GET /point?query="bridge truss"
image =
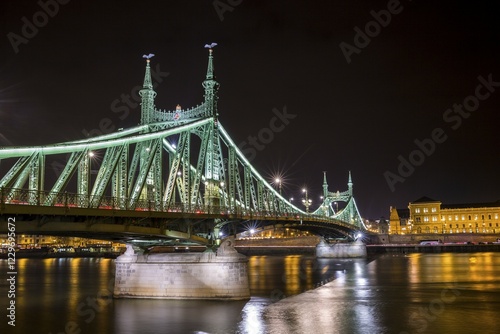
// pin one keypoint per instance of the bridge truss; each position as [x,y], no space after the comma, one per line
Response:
[176,165]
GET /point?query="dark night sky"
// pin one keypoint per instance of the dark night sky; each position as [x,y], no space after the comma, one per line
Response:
[357,116]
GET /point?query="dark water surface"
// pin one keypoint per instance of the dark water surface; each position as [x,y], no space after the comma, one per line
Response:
[417,293]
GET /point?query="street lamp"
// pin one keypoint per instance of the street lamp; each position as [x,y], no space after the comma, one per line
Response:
[306,201]
[278,182]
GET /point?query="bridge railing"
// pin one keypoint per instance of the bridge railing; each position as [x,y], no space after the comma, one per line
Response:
[14,196]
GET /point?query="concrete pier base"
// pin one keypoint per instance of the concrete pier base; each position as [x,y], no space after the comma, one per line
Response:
[341,250]
[220,275]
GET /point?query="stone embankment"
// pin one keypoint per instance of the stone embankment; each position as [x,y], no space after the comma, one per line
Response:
[279,246]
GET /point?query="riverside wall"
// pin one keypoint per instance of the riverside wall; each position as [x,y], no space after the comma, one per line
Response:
[445,238]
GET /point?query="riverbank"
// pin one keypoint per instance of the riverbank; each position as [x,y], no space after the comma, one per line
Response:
[50,255]
[378,244]
[446,248]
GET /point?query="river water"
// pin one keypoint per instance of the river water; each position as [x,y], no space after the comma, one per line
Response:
[416,293]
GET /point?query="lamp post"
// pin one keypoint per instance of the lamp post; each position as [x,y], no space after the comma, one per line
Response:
[306,201]
[278,182]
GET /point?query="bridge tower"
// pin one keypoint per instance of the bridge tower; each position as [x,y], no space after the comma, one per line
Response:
[214,168]
[147,94]
[350,213]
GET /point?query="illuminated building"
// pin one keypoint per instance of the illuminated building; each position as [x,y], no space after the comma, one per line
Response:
[431,216]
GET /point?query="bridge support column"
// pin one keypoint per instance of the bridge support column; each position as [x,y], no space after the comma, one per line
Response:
[217,235]
[341,250]
[220,275]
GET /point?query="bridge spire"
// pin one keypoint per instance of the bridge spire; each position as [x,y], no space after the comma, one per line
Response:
[325,186]
[210,84]
[349,184]
[147,94]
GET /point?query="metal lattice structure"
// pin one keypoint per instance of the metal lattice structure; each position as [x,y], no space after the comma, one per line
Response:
[349,213]
[174,161]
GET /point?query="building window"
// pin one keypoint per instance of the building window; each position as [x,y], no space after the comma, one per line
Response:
[426,219]
[489,217]
[417,210]
[434,218]
[456,217]
[482,217]
[470,217]
[426,210]
[433,209]
[417,220]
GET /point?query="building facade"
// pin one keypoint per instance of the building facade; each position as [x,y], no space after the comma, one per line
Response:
[398,221]
[431,216]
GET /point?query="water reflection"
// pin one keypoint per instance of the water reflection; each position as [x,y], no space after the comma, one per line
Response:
[176,316]
[417,293]
[276,277]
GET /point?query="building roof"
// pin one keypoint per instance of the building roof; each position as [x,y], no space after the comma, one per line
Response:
[471,205]
[403,213]
[424,199]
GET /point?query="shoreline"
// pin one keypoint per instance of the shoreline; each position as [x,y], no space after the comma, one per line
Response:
[47,255]
[295,250]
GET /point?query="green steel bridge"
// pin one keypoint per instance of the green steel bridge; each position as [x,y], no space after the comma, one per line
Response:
[176,177]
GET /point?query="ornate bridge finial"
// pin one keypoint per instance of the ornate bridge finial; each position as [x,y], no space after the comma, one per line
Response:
[210,46]
[148,56]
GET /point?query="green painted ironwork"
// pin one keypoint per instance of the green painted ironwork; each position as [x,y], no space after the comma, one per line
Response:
[141,169]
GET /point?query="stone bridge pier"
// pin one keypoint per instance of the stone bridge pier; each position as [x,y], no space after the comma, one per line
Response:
[341,250]
[219,275]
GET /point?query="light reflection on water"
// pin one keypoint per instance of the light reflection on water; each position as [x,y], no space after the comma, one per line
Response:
[391,294]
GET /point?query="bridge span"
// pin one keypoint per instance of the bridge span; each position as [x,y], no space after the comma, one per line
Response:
[176,177]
